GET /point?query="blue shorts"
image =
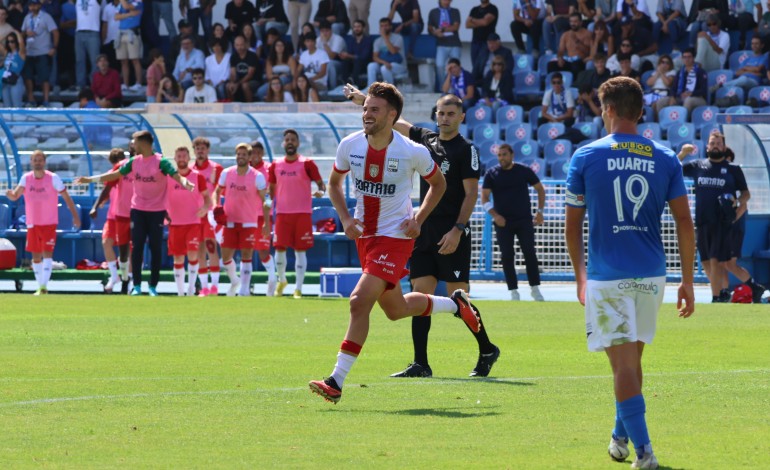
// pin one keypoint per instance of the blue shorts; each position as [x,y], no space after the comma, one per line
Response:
[37,68]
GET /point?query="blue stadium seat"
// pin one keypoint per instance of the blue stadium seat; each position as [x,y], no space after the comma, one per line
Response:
[703,116]
[478,114]
[507,115]
[731,91]
[739,109]
[557,149]
[764,110]
[566,77]
[680,132]
[542,63]
[526,83]
[523,63]
[486,131]
[488,150]
[706,130]
[524,149]
[534,114]
[518,132]
[671,114]
[720,76]
[535,164]
[761,94]
[5,218]
[488,154]
[66,222]
[424,48]
[650,130]
[588,128]
[559,169]
[549,131]
[737,59]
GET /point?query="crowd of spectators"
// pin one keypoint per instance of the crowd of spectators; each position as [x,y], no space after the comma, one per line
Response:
[262,49]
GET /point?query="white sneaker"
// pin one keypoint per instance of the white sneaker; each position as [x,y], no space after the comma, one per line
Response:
[515,294]
[648,460]
[536,294]
[271,285]
[110,284]
[618,449]
[124,87]
[136,87]
[234,286]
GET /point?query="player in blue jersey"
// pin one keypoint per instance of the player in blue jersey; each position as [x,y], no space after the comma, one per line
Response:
[623,181]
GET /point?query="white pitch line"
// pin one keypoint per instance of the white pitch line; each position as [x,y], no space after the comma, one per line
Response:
[43,401]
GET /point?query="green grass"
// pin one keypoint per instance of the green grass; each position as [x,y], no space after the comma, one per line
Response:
[105,382]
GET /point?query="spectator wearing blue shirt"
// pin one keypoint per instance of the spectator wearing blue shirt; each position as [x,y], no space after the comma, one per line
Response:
[752,69]
[357,55]
[129,46]
[189,59]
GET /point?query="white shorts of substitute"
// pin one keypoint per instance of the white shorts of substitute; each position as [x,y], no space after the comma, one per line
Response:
[622,311]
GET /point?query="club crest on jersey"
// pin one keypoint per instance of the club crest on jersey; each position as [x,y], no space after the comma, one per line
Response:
[374,170]
[393,165]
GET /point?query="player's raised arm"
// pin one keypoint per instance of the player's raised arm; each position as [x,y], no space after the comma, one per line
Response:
[103,178]
[15,193]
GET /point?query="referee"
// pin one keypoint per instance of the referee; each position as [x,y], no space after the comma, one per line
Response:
[442,252]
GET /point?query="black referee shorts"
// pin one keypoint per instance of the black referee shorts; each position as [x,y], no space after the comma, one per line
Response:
[714,242]
[426,261]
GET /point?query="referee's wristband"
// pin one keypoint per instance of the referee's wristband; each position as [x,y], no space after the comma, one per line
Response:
[539,211]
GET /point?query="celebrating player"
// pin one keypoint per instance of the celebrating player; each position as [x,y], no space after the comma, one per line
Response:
[211,171]
[148,204]
[115,233]
[185,209]
[382,165]
[623,181]
[244,189]
[290,179]
[442,252]
[263,242]
[41,190]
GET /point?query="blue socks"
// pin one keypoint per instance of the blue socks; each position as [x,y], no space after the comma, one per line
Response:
[631,412]
[620,431]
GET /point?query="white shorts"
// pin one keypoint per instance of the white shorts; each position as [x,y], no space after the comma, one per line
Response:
[622,311]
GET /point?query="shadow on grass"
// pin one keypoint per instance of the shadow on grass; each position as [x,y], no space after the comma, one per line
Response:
[438,412]
[489,380]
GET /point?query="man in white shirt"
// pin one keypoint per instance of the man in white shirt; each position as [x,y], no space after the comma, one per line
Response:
[314,63]
[713,45]
[333,45]
[200,92]
[109,30]
[87,39]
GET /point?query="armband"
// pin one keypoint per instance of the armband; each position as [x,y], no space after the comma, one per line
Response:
[488,206]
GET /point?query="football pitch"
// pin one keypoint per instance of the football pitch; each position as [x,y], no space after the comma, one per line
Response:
[116,382]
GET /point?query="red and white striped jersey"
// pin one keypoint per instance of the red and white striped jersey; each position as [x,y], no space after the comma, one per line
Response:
[383,180]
